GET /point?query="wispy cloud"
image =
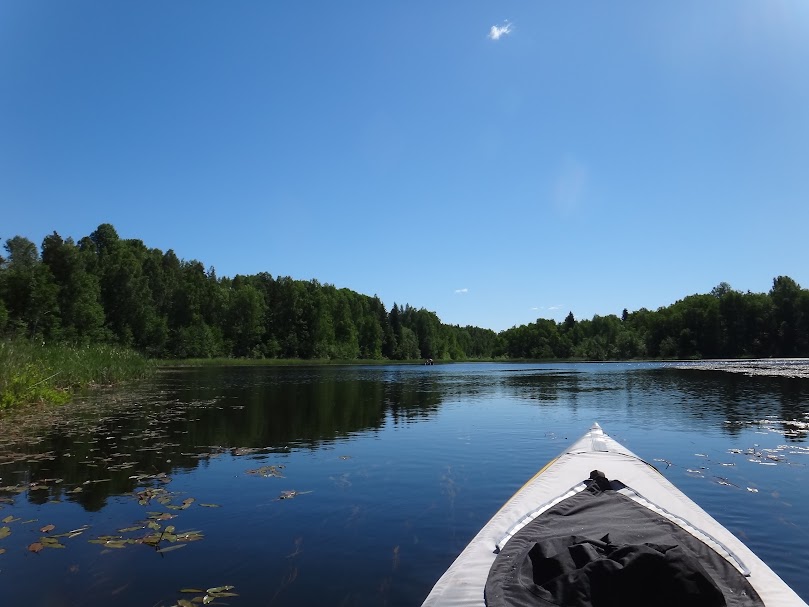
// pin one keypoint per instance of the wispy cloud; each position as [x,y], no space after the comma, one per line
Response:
[498,31]
[463,291]
[571,187]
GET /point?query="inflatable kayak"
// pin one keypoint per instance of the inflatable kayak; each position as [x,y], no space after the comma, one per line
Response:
[600,527]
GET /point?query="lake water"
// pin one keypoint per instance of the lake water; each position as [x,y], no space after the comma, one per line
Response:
[360,485]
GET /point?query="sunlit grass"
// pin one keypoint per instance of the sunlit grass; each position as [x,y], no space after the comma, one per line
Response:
[31,372]
[276,362]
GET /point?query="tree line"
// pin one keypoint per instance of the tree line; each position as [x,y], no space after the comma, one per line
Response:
[105,289]
[111,290]
[724,323]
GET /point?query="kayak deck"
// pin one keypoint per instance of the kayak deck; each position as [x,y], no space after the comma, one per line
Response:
[464,582]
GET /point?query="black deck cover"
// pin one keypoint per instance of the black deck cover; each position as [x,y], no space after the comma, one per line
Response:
[600,548]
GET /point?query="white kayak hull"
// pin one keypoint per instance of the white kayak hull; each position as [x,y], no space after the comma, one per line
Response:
[464,582]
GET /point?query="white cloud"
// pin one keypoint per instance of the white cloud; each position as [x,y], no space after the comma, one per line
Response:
[462,291]
[498,31]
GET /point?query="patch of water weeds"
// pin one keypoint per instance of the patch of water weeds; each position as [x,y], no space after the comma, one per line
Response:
[156,536]
[267,471]
[786,367]
[90,450]
[48,540]
[92,442]
[205,597]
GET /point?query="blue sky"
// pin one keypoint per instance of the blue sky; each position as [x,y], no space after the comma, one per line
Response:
[494,162]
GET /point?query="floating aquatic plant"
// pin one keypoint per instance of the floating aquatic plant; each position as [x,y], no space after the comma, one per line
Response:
[267,471]
[206,597]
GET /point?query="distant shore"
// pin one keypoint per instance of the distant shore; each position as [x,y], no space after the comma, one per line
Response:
[37,373]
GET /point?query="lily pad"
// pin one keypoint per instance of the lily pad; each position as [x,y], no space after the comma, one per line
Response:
[151,540]
[129,529]
[48,528]
[5,532]
[111,542]
[161,516]
[71,534]
[35,547]
[189,536]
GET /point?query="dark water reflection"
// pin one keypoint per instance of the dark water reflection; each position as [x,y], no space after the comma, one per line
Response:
[391,471]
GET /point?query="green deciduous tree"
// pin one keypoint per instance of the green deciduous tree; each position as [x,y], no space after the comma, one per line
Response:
[245,325]
[79,293]
[29,292]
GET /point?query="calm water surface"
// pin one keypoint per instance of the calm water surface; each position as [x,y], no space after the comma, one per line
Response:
[385,473]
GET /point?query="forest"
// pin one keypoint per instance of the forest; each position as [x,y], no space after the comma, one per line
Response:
[107,290]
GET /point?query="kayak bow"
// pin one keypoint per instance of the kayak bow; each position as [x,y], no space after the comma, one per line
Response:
[599,526]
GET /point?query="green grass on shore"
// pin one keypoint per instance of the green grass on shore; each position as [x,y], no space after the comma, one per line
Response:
[278,362]
[31,372]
